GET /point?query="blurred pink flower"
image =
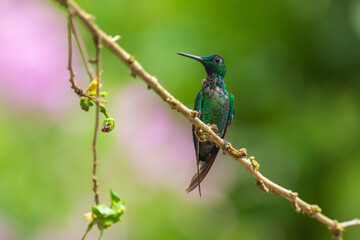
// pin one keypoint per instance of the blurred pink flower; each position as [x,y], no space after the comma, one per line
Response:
[33,57]
[7,231]
[159,141]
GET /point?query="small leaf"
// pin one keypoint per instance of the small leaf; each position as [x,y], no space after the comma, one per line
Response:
[116,203]
[85,103]
[103,110]
[93,85]
[101,211]
[104,216]
[114,197]
[108,125]
[103,94]
[88,228]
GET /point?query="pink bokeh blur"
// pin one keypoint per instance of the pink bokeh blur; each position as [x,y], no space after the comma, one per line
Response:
[153,137]
[33,58]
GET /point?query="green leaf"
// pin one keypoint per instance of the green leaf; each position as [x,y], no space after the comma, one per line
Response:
[108,126]
[105,216]
[103,110]
[115,198]
[88,228]
[101,211]
[103,94]
[85,103]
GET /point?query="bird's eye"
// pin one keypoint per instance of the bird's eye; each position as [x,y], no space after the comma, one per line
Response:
[218,60]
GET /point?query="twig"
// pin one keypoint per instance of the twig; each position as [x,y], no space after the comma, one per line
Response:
[97,113]
[136,70]
[74,86]
[77,90]
[81,93]
[354,222]
[83,54]
[116,38]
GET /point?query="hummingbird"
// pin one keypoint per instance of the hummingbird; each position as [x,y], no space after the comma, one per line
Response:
[215,106]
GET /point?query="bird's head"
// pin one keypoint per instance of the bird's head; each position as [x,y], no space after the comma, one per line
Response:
[214,64]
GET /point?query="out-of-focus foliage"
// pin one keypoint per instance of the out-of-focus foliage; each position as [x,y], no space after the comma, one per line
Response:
[104,216]
[293,67]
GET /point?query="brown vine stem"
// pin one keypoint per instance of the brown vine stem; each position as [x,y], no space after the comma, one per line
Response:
[77,90]
[249,164]
[97,41]
[80,93]
[83,54]
[74,86]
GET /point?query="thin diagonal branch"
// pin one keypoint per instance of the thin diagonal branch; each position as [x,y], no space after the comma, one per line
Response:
[239,155]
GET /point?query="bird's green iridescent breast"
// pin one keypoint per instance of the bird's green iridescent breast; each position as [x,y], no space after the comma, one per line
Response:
[215,108]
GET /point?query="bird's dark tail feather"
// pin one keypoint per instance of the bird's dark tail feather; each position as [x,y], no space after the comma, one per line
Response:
[201,174]
[197,164]
[198,171]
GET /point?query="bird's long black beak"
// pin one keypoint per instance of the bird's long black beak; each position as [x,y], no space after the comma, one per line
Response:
[200,59]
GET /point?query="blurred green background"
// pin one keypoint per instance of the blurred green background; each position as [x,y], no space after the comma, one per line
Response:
[293,66]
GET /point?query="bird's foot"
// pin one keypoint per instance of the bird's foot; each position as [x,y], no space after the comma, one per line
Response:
[200,135]
[227,147]
[213,127]
[241,153]
[195,114]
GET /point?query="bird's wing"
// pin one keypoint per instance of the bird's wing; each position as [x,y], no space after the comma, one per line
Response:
[204,169]
[197,107]
[231,112]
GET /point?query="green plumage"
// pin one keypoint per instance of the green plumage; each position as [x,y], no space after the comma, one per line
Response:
[215,106]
